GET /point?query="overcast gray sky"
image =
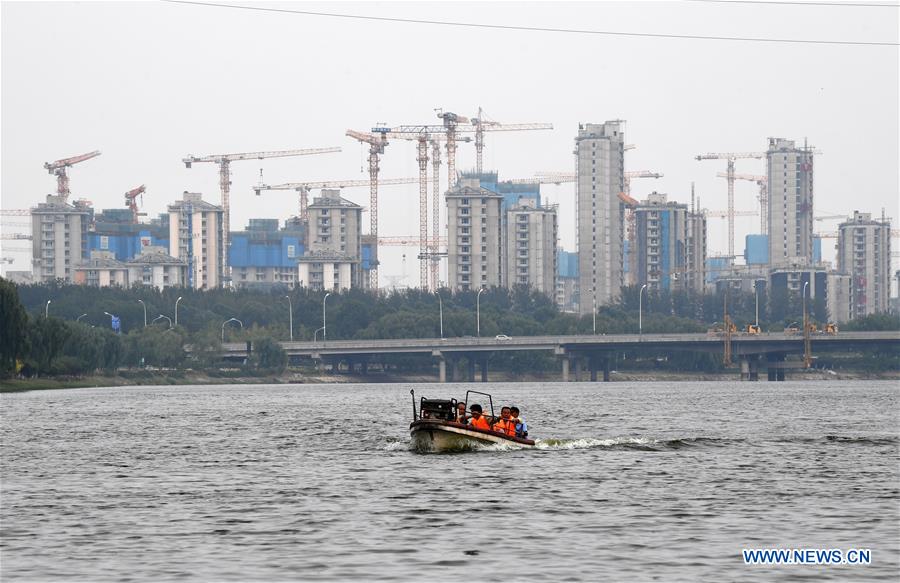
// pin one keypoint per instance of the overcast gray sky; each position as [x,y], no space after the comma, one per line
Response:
[150,82]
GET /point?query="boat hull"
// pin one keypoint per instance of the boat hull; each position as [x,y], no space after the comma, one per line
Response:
[436,436]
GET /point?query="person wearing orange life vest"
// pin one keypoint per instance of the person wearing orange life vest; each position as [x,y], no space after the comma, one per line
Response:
[505,424]
[478,420]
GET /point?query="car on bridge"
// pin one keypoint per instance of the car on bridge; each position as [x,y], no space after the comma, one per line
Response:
[502,337]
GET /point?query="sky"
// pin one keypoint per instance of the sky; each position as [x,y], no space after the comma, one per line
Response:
[148,83]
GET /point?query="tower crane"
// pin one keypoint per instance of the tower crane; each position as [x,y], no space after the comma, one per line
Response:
[730,157]
[224,161]
[482,125]
[560,177]
[303,188]
[130,197]
[58,169]
[762,182]
[377,143]
[429,255]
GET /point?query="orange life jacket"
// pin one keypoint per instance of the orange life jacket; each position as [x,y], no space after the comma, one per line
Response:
[505,426]
[480,423]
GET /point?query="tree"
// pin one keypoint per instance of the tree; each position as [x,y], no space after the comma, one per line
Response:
[13,326]
[268,356]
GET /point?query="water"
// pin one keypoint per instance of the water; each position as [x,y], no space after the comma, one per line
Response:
[631,481]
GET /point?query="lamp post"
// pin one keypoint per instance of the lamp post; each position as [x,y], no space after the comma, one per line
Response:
[291,316]
[807,351]
[78,319]
[316,334]
[47,309]
[641,310]
[176,309]
[594,309]
[145,312]
[478,313]
[441,311]
[324,329]
[161,316]
[230,320]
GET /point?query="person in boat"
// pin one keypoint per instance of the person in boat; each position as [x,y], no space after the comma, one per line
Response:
[460,413]
[521,426]
[505,424]
[478,421]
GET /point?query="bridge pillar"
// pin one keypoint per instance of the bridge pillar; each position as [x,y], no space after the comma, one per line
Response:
[775,366]
[606,369]
[484,369]
[364,367]
[745,369]
[592,362]
[565,369]
[750,367]
[471,365]
[442,370]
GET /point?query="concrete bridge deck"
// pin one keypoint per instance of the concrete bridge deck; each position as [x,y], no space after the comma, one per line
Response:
[747,349]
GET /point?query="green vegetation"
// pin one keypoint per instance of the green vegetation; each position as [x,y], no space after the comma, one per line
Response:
[76,339]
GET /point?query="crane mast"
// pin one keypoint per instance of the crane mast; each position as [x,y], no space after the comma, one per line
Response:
[730,157]
[377,143]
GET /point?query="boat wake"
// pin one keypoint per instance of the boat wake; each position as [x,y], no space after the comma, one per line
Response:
[551,444]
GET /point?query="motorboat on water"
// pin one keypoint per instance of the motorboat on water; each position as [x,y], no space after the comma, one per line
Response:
[434,428]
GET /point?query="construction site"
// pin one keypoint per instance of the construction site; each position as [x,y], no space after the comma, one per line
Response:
[475,230]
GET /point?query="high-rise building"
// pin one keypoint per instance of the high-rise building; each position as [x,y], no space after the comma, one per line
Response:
[790,192]
[531,234]
[567,281]
[60,238]
[115,230]
[474,236]
[864,253]
[335,240]
[696,252]
[264,256]
[195,235]
[663,246]
[600,178]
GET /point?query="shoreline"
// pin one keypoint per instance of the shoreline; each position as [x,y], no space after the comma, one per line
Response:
[300,378]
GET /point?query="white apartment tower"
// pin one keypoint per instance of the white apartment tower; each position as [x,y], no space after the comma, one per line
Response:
[531,234]
[599,155]
[474,236]
[59,242]
[332,260]
[195,236]
[790,192]
[864,253]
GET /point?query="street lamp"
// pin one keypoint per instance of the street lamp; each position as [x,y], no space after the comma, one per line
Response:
[176,310]
[291,315]
[324,330]
[47,309]
[441,310]
[594,309]
[316,334]
[145,312]
[161,316]
[230,320]
[641,310]
[478,313]
[78,319]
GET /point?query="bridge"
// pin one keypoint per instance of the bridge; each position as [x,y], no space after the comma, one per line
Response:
[593,352]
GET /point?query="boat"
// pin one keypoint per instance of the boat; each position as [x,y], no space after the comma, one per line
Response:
[433,428]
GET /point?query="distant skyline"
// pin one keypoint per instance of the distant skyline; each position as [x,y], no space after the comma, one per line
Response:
[149,83]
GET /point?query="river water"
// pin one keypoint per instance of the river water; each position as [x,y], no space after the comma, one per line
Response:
[631,481]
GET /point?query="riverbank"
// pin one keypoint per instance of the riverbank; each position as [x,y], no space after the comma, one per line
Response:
[175,378]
